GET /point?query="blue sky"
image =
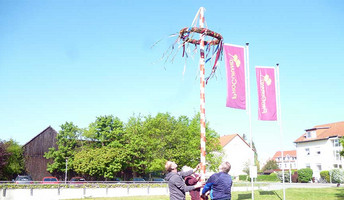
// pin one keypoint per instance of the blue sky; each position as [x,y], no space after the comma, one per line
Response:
[76,60]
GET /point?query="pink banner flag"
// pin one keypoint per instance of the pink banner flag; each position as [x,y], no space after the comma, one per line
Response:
[266,85]
[235,66]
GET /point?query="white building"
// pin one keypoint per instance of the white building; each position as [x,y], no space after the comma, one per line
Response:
[237,152]
[289,159]
[319,148]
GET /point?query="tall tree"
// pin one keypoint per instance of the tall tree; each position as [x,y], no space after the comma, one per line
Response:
[11,159]
[15,162]
[106,130]
[100,162]
[67,141]
[270,165]
[154,140]
[4,155]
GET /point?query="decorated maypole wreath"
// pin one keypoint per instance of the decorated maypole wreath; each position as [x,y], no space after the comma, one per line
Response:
[185,37]
[210,53]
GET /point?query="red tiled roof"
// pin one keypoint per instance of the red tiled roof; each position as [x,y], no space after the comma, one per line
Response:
[226,139]
[278,154]
[323,132]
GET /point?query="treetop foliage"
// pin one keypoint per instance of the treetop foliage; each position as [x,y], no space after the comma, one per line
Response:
[109,146]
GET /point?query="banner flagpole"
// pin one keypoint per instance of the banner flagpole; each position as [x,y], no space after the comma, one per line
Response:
[248,100]
[202,95]
[280,124]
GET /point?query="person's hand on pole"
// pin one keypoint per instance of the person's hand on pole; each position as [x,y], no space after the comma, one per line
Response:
[197,167]
[199,184]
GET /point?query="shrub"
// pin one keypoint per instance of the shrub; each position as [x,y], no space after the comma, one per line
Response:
[271,177]
[294,177]
[286,176]
[305,175]
[325,175]
[242,177]
[337,175]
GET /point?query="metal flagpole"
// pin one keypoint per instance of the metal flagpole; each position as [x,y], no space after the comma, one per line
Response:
[249,113]
[280,124]
[202,95]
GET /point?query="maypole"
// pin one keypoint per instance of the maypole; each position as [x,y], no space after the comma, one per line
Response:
[210,52]
[202,95]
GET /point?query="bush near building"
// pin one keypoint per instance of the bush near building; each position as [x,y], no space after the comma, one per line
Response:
[325,175]
[337,175]
[305,175]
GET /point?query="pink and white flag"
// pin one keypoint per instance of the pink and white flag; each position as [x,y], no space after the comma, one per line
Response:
[235,66]
[266,84]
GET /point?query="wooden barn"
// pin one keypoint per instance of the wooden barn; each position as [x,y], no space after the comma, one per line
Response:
[35,163]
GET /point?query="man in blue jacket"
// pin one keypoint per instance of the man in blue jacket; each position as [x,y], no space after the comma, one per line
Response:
[219,184]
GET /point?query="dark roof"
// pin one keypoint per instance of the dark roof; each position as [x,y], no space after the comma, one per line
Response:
[49,127]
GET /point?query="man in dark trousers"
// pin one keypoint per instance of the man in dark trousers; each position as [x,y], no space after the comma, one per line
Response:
[219,184]
[176,183]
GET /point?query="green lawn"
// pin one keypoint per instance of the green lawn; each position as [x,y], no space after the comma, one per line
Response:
[291,194]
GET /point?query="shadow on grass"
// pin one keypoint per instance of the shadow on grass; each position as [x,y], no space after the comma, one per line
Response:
[340,194]
[269,193]
[244,196]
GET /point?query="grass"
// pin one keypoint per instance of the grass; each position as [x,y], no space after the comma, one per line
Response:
[291,194]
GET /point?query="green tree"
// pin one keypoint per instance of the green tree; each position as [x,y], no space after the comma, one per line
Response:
[4,155]
[104,162]
[270,165]
[15,162]
[153,140]
[136,144]
[106,131]
[67,142]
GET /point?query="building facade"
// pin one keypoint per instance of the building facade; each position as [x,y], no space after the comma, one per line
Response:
[289,160]
[237,152]
[35,163]
[319,148]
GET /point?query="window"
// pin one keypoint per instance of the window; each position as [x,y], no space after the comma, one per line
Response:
[308,165]
[310,134]
[307,151]
[319,167]
[336,155]
[335,143]
[318,152]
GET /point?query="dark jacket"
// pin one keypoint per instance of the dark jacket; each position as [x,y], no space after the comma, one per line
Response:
[177,186]
[219,185]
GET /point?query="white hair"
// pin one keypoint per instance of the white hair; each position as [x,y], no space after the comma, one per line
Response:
[186,168]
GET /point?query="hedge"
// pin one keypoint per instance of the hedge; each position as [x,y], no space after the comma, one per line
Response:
[305,175]
[242,177]
[272,177]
